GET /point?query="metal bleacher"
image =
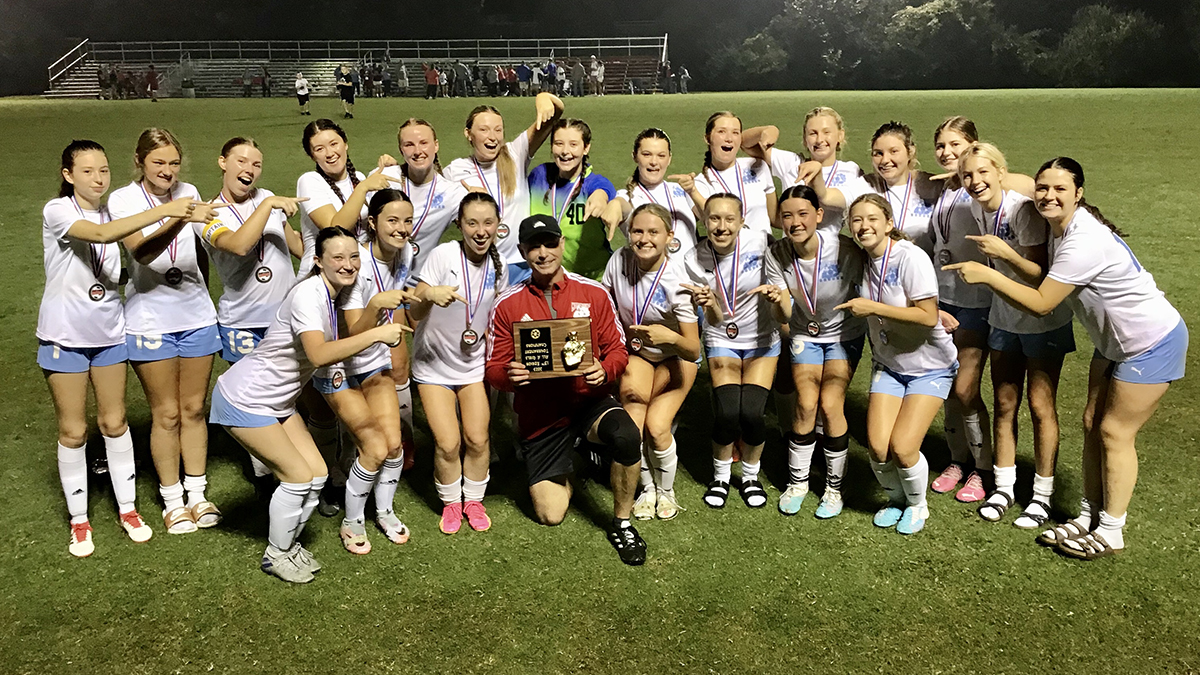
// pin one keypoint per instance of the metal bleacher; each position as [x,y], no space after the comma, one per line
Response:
[219,69]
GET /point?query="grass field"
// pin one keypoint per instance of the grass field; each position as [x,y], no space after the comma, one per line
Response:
[727,591]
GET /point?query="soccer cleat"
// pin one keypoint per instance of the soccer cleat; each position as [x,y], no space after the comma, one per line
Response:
[135,527]
[949,479]
[972,491]
[668,506]
[306,557]
[643,507]
[286,565]
[396,531]
[830,506]
[452,515]
[628,543]
[792,499]
[354,537]
[81,540]
[913,520]
[477,516]
[888,516]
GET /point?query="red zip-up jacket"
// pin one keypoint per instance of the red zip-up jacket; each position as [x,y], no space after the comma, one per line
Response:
[549,403]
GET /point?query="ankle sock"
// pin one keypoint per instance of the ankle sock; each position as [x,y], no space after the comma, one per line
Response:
[451,493]
[750,470]
[474,490]
[1112,529]
[195,487]
[722,469]
[172,496]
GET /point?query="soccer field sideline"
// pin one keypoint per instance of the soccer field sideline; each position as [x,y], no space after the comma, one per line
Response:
[731,591]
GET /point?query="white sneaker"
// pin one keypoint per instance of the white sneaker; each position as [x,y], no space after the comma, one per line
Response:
[793,498]
[81,540]
[668,506]
[643,508]
[286,565]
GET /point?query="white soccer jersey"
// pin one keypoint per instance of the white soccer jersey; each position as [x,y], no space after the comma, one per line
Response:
[671,197]
[435,206]
[1116,300]
[375,277]
[742,270]
[169,294]
[268,380]
[952,222]
[314,186]
[838,268]
[253,284]
[1018,224]
[785,165]
[81,305]
[513,208]
[905,348]
[654,298]
[441,352]
[911,214]
[749,179]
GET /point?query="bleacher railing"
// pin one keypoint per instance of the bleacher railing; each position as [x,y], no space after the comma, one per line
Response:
[353,50]
[68,61]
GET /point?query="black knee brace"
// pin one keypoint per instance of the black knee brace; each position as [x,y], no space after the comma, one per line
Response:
[727,403]
[618,432]
[836,443]
[753,413]
[802,439]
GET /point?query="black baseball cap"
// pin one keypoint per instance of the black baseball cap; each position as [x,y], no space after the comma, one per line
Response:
[536,226]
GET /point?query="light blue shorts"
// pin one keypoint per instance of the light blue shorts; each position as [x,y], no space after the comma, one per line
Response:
[1053,344]
[518,272]
[341,381]
[186,344]
[934,383]
[238,342]
[58,359]
[1165,362]
[743,354]
[969,318]
[227,415]
[806,353]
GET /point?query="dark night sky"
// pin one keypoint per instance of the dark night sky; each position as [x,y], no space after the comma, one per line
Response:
[33,33]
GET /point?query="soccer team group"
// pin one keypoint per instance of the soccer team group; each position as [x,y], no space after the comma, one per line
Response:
[939,273]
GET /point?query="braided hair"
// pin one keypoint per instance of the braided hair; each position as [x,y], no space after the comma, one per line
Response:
[324,124]
[652,132]
[492,252]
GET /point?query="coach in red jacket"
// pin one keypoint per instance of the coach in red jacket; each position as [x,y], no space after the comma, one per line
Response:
[556,414]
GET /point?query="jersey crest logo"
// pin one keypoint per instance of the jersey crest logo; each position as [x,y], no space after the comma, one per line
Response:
[837,179]
[1005,231]
[831,272]
[660,299]
[678,192]
[438,200]
[892,278]
[526,318]
[581,309]
[922,209]
[752,263]
[749,176]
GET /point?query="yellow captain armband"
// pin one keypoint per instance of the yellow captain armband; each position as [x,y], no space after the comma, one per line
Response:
[213,229]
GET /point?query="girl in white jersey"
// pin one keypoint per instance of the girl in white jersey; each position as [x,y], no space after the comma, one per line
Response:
[824,137]
[1014,238]
[500,168]
[449,355]
[364,397]
[741,338]
[255,400]
[645,281]
[914,359]
[1141,347]
[649,185]
[810,273]
[171,329]
[81,331]
[747,178]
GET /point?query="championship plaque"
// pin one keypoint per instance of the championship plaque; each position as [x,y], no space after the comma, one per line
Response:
[555,347]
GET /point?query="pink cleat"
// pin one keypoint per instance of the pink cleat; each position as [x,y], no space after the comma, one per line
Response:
[949,479]
[477,516]
[452,515]
[972,491]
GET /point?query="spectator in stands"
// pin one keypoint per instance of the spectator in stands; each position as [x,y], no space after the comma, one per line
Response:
[552,76]
[444,80]
[367,81]
[536,77]
[112,83]
[345,85]
[402,80]
[666,80]
[302,92]
[600,80]
[431,81]
[462,79]
[578,76]
[493,79]
[152,84]
[560,77]
[524,73]
[247,83]
[266,82]
[102,79]
[386,76]
[361,79]
[684,78]
[594,76]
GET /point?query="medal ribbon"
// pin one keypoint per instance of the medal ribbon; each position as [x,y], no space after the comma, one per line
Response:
[333,326]
[242,221]
[741,187]
[428,203]
[670,202]
[473,302]
[832,172]
[877,296]
[498,194]
[903,216]
[554,198]
[173,247]
[982,224]
[98,250]
[378,277]
[639,314]
[731,297]
[810,299]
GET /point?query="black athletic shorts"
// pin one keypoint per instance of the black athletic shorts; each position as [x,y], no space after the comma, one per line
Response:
[347,94]
[548,456]
[303,98]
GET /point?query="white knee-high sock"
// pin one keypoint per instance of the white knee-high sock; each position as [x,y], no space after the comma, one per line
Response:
[835,460]
[195,487]
[121,470]
[451,493]
[286,509]
[979,440]
[474,490]
[404,396]
[358,488]
[645,477]
[956,435]
[386,483]
[915,480]
[667,465]
[72,472]
[889,479]
[310,501]
[800,454]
